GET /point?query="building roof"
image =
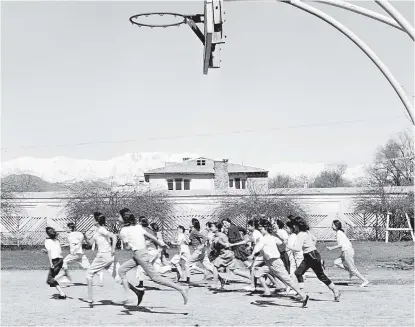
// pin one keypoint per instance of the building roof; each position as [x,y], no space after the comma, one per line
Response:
[191,167]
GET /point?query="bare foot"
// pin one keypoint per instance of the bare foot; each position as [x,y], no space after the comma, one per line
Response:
[185,294]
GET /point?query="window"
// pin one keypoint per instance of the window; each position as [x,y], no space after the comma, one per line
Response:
[186,184]
[201,162]
[178,182]
[170,184]
[238,183]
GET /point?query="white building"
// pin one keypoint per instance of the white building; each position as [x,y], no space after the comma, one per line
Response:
[204,174]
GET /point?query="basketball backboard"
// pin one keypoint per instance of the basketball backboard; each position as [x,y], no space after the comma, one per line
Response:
[213,23]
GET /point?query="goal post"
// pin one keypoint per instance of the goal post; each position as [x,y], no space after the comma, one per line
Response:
[391,229]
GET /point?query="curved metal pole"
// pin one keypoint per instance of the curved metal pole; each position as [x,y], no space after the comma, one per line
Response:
[363,46]
[396,15]
[361,11]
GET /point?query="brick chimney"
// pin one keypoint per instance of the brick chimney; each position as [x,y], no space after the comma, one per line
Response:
[221,181]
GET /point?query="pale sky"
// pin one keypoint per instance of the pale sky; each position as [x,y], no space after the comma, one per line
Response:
[76,72]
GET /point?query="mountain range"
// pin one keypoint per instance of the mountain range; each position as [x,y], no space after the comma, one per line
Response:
[127,168]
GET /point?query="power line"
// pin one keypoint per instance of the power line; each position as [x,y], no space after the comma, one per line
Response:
[257,130]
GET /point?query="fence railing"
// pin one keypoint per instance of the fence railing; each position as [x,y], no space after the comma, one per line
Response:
[30,231]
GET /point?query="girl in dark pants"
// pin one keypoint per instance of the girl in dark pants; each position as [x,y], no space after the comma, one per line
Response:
[55,259]
[306,242]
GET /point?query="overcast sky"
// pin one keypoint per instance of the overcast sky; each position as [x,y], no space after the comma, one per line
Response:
[79,72]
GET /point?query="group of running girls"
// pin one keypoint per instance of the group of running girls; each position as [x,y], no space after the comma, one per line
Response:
[268,253]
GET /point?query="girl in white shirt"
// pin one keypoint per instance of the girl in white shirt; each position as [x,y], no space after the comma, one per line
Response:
[54,250]
[184,252]
[295,257]
[346,260]
[307,242]
[76,253]
[134,237]
[268,247]
[105,258]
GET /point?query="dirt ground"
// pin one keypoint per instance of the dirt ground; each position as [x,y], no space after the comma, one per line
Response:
[26,299]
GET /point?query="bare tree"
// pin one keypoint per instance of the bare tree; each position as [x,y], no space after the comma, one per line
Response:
[393,163]
[392,167]
[331,176]
[280,181]
[287,181]
[9,188]
[9,206]
[241,208]
[87,197]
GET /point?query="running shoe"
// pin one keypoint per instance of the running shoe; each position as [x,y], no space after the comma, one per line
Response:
[337,296]
[364,284]
[305,301]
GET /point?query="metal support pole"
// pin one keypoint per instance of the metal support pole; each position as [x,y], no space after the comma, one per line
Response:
[398,17]
[361,11]
[363,46]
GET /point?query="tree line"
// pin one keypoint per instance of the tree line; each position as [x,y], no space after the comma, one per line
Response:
[392,166]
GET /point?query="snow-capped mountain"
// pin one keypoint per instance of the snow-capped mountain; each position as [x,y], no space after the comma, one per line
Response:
[126,168]
[123,169]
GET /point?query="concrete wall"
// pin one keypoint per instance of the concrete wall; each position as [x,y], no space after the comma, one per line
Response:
[315,201]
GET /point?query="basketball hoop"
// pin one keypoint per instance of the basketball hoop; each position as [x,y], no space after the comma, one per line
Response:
[184,19]
[211,36]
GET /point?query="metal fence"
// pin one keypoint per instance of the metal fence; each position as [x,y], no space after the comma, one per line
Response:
[30,231]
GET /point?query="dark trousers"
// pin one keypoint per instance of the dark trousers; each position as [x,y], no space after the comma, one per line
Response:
[53,272]
[286,260]
[312,260]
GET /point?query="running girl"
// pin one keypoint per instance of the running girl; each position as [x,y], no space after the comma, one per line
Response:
[134,237]
[267,246]
[254,237]
[200,247]
[54,250]
[225,258]
[346,260]
[307,242]
[76,253]
[154,253]
[295,257]
[105,256]
[184,252]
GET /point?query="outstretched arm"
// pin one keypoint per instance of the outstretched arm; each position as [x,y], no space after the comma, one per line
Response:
[333,247]
[155,240]
[258,247]
[245,241]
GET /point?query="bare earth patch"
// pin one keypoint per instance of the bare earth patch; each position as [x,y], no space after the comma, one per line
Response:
[26,299]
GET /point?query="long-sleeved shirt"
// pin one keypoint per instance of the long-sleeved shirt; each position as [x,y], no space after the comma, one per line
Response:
[197,238]
[268,246]
[305,242]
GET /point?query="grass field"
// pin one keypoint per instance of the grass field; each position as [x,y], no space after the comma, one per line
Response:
[26,300]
